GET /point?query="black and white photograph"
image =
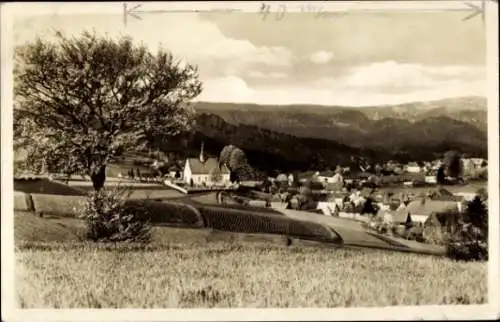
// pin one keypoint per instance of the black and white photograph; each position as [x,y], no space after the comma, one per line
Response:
[277,155]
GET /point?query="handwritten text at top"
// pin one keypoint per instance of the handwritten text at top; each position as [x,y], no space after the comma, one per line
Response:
[280,10]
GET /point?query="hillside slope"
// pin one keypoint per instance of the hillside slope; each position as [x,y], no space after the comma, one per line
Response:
[439,125]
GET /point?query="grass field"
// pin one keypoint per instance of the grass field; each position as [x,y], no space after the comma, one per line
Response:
[182,269]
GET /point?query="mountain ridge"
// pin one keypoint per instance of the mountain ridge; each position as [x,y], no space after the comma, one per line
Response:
[466,118]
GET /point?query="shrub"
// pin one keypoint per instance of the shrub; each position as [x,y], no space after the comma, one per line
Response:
[415,233]
[467,251]
[108,219]
[470,241]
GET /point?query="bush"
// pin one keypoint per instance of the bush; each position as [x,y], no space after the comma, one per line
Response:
[470,241]
[108,219]
[468,251]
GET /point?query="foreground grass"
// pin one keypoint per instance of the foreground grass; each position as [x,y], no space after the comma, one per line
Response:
[186,268]
[238,275]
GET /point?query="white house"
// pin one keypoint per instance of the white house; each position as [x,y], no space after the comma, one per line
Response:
[330,177]
[200,171]
[430,179]
[412,167]
[472,163]
[477,161]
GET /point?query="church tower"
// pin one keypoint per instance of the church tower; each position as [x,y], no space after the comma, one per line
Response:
[202,153]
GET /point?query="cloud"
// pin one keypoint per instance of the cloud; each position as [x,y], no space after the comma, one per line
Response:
[261,75]
[238,70]
[321,57]
[227,89]
[187,35]
[366,85]
[397,77]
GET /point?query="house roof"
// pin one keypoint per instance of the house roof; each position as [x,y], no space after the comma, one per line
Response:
[306,175]
[326,173]
[366,192]
[282,177]
[199,168]
[359,175]
[333,186]
[400,214]
[442,194]
[444,220]
[427,207]
[412,164]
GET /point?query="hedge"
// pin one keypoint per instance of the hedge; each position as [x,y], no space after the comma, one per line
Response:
[254,222]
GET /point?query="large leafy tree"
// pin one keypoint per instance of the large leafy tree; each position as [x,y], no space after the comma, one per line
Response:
[453,164]
[236,161]
[83,101]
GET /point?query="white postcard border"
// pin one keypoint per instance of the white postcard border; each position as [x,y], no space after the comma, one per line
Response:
[9,313]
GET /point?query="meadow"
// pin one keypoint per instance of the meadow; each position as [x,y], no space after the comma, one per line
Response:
[187,268]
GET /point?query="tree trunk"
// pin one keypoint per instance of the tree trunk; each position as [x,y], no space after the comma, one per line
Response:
[98,178]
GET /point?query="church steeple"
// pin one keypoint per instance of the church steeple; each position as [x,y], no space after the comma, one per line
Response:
[202,153]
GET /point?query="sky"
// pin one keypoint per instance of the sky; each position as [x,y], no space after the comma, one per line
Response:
[352,59]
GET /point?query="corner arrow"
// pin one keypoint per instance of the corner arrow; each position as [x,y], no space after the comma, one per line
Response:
[476,10]
[130,12]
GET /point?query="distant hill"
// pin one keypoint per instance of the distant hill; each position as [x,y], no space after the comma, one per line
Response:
[272,150]
[267,150]
[406,128]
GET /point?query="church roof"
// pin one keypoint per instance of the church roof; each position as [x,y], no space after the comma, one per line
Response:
[199,168]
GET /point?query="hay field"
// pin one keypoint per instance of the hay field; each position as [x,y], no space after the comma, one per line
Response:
[182,270]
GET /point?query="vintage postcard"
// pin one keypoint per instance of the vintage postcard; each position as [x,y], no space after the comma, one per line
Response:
[292,160]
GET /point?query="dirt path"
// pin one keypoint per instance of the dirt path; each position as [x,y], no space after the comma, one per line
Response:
[354,234]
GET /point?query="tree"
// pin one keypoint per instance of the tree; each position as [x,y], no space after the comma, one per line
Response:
[266,185]
[215,174]
[295,182]
[440,176]
[225,155]
[235,160]
[86,100]
[453,164]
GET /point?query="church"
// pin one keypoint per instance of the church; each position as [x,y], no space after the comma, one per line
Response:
[204,171]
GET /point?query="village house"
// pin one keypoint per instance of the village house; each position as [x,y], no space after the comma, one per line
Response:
[431,179]
[419,210]
[330,177]
[470,164]
[413,167]
[282,178]
[205,171]
[436,164]
[175,171]
[478,162]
